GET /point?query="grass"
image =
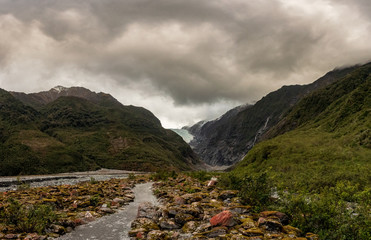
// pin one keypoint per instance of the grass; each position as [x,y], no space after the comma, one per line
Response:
[320,165]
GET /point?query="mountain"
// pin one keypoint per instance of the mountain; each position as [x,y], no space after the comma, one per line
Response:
[226,140]
[75,129]
[316,161]
[326,138]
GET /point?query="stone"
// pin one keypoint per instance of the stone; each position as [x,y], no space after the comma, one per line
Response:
[168,224]
[228,194]
[224,218]
[53,235]
[212,182]
[291,230]
[270,224]
[312,236]
[31,236]
[283,218]
[204,227]
[192,197]
[216,232]
[179,200]
[147,210]
[240,209]
[106,210]
[182,218]
[57,229]
[239,237]
[190,227]
[88,217]
[11,236]
[137,232]
[156,235]
[144,223]
[251,232]
[247,223]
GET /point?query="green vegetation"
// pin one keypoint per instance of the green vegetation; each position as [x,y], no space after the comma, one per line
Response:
[75,134]
[321,165]
[201,175]
[164,175]
[28,218]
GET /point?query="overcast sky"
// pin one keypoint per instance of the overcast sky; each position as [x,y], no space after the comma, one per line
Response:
[184,60]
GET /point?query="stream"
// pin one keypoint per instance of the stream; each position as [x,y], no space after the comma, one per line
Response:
[117,225]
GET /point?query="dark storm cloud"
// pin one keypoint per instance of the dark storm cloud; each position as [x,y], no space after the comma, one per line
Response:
[190,51]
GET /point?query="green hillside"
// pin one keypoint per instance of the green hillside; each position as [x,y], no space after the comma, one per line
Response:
[330,138]
[322,157]
[75,134]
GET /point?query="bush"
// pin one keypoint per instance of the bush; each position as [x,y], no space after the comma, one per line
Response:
[29,218]
[164,175]
[94,200]
[329,216]
[201,175]
[131,176]
[253,190]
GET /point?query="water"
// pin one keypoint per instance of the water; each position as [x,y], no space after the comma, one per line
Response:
[117,225]
[10,183]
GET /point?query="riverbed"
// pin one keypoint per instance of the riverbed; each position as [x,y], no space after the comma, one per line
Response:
[12,183]
[117,225]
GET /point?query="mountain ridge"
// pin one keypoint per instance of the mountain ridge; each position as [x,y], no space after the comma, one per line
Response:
[75,129]
[226,143]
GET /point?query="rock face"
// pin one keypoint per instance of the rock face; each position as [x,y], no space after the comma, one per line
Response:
[226,140]
[194,210]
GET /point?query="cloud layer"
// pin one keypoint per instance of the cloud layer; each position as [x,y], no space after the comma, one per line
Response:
[185,60]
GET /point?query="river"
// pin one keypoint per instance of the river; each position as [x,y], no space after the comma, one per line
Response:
[117,225]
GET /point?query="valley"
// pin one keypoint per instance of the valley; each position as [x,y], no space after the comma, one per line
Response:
[303,151]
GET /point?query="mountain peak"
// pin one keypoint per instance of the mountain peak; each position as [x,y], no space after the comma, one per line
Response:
[40,99]
[59,89]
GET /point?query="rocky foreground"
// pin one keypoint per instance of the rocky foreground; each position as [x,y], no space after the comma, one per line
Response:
[48,212]
[194,210]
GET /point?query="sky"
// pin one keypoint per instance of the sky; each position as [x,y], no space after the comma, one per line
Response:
[184,60]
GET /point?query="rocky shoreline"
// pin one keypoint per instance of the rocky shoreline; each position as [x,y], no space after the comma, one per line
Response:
[200,210]
[71,205]
[12,182]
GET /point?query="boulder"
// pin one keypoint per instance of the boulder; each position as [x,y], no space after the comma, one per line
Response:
[156,235]
[144,223]
[283,218]
[312,236]
[179,200]
[224,218]
[192,197]
[138,233]
[251,232]
[147,210]
[216,232]
[106,210]
[228,194]
[270,224]
[190,227]
[168,224]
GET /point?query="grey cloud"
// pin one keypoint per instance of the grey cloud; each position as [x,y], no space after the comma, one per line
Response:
[195,51]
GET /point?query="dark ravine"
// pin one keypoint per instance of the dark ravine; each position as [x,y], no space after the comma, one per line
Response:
[227,139]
